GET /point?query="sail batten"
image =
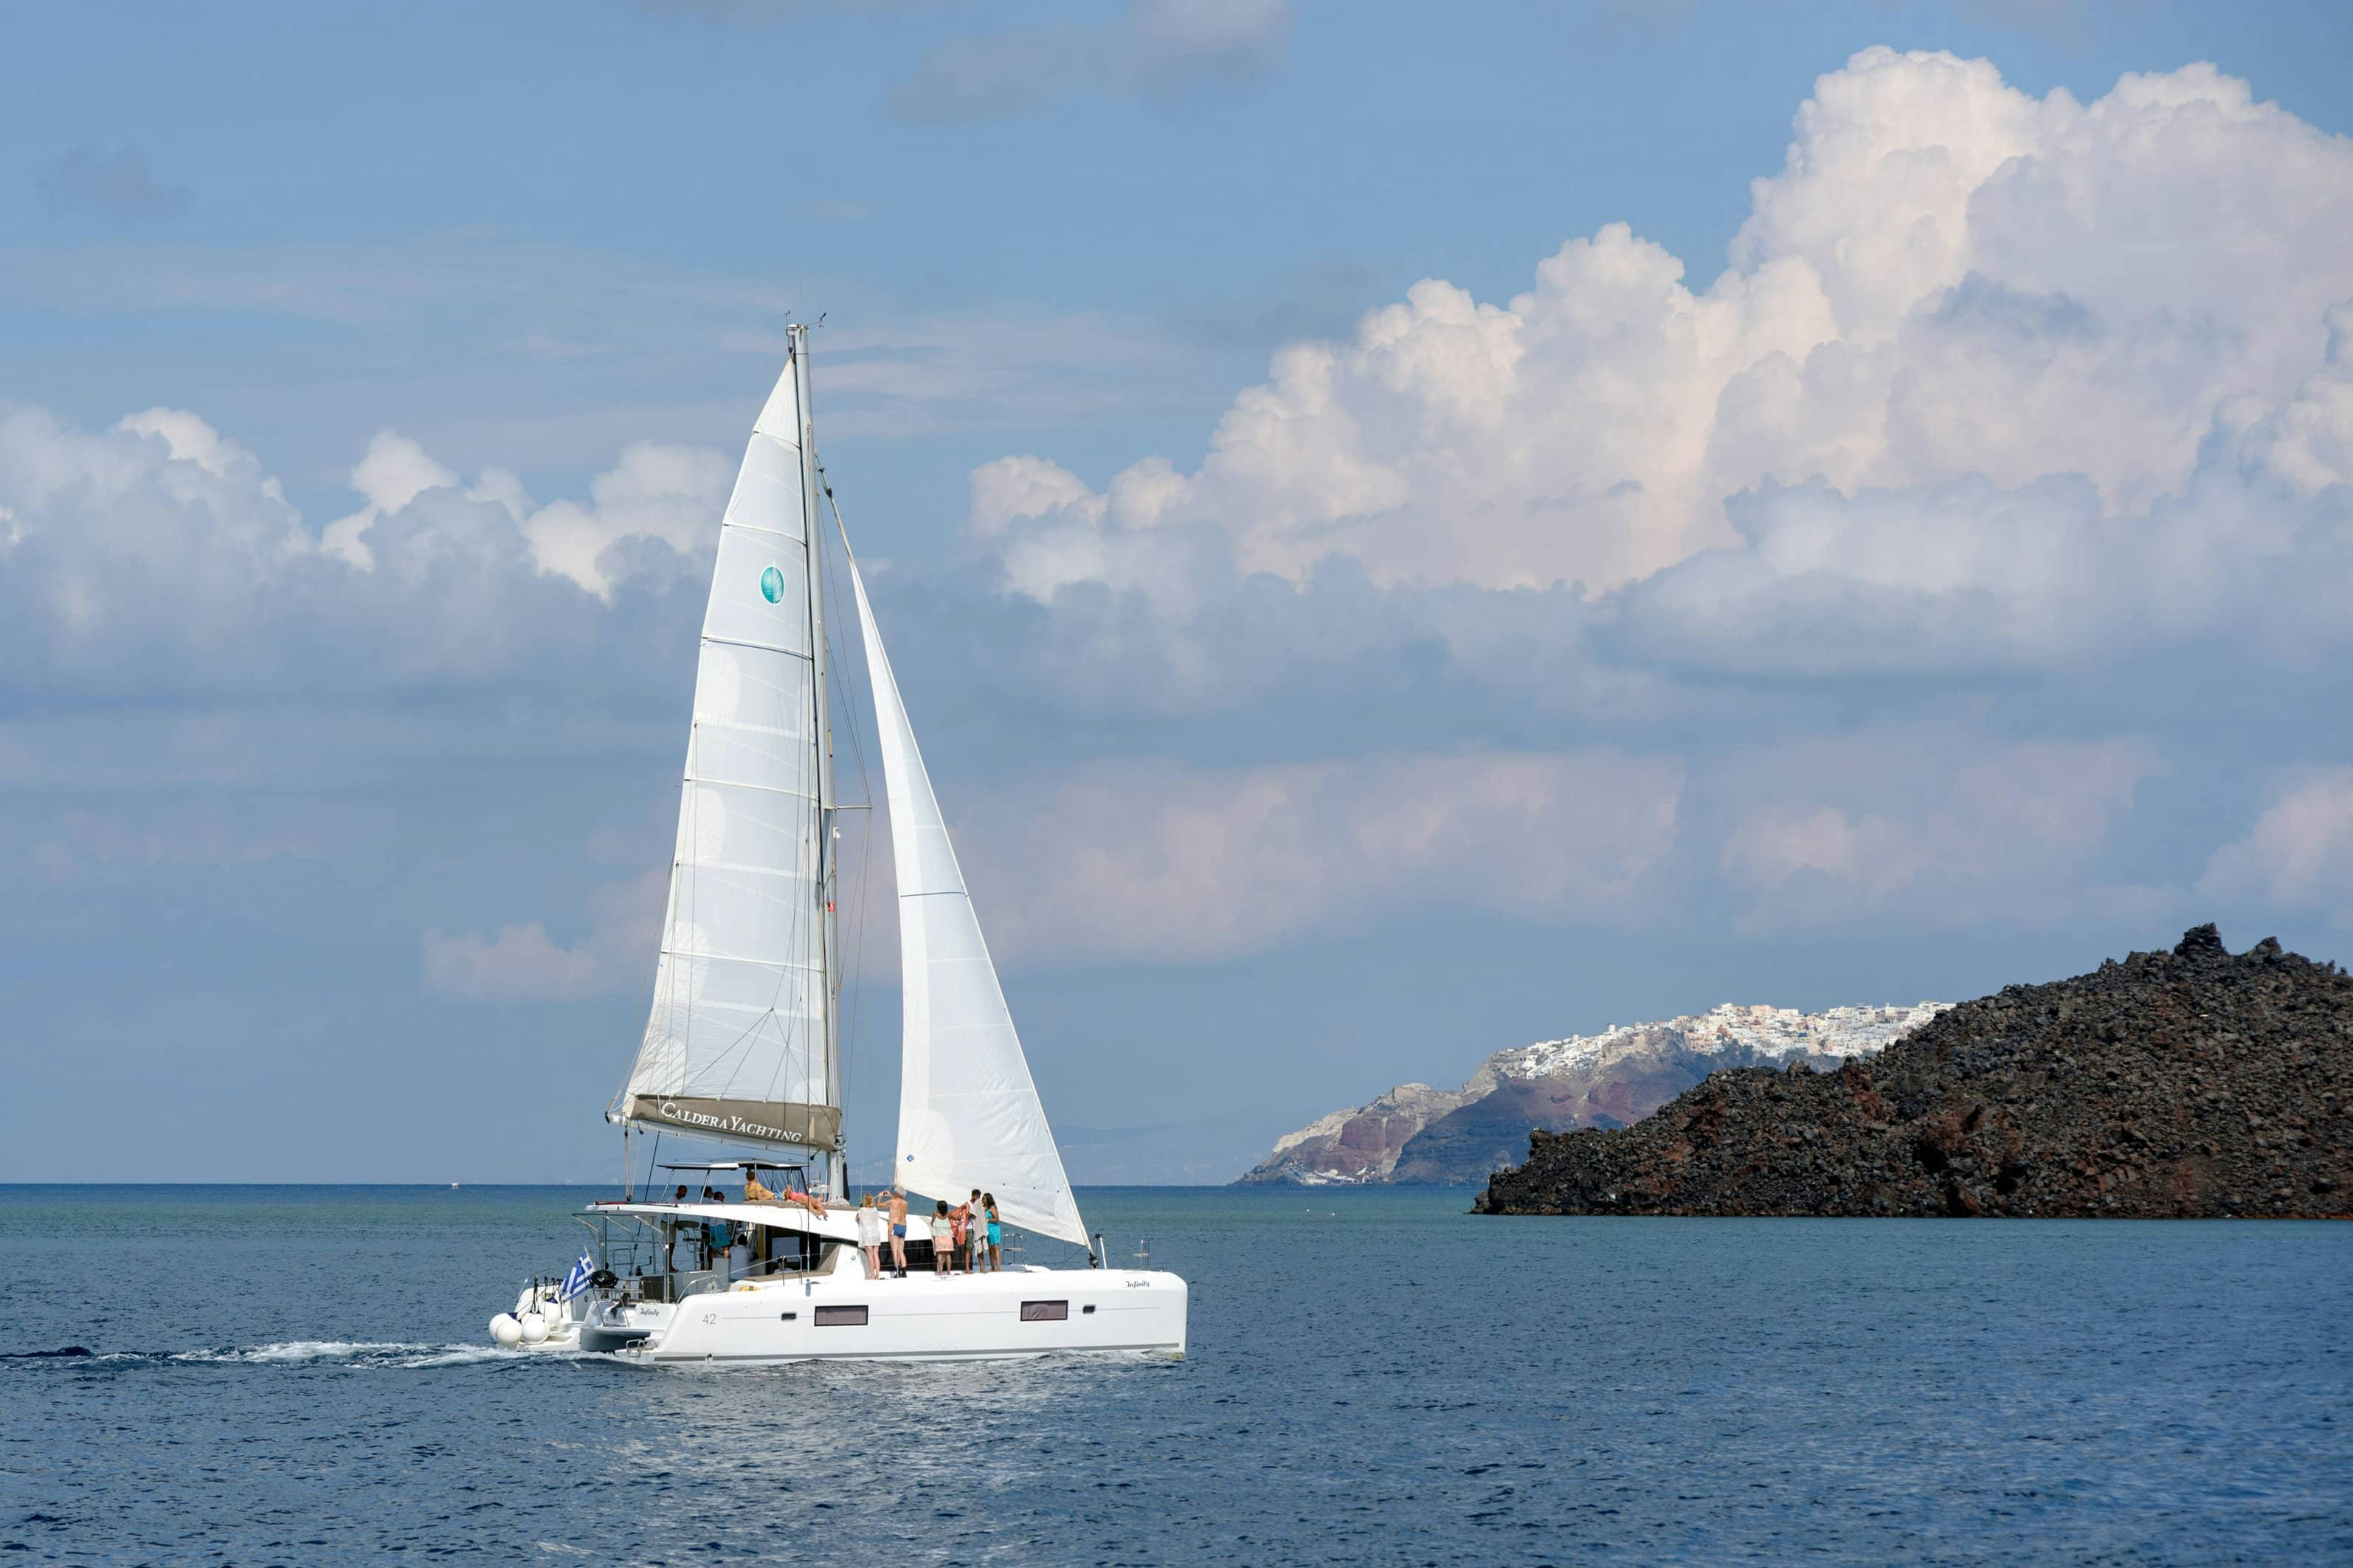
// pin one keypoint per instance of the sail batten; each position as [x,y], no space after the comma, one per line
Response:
[735,1039]
[969,1114]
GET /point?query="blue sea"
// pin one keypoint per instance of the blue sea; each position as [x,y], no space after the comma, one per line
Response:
[303,1375]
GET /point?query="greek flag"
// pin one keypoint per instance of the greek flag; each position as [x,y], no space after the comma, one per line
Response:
[578,1280]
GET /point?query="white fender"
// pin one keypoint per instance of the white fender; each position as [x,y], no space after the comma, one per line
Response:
[505,1330]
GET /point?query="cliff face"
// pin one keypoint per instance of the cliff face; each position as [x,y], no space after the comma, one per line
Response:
[1358,1145]
[1416,1133]
[2188,1083]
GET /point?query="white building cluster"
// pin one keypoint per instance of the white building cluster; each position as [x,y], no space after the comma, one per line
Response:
[1731,1029]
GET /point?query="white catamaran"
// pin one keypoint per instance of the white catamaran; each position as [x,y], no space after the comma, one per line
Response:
[743,1042]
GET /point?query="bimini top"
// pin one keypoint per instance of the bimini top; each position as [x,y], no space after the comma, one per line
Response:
[840,1223]
[738,1165]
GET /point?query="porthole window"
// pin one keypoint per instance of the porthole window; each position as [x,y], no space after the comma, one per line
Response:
[1045,1312]
[841,1317]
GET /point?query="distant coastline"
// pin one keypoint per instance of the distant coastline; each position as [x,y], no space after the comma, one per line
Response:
[1418,1135]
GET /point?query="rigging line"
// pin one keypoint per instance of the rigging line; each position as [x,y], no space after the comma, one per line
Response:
[814,563]
[731,1046]
[741,1041]
[856,742]
[858,952]
[866,789]
[845,1040]
[788,975]
[811,821]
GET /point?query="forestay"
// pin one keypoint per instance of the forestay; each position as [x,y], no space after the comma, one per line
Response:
[735,1045]
[968,1113]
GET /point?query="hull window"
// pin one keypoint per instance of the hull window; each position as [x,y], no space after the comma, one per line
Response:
[841,1317]
[1045,1312]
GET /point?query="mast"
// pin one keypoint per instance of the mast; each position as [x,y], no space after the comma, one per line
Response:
[797,334]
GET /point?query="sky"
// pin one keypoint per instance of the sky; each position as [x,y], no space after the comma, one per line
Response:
[1403,533]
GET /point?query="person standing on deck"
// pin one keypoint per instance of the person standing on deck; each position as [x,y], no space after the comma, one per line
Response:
[975,1233]
[719,1235]
[870,1237]
[995,1232]
[960,1232]
[942,1243]
[899,1229]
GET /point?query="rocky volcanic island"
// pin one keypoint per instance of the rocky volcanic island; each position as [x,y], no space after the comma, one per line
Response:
[2188,1083]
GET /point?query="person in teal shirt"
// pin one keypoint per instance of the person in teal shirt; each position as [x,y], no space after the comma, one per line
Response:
[721,1235]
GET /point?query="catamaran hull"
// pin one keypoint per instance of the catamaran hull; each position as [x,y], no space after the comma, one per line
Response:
[986,1317]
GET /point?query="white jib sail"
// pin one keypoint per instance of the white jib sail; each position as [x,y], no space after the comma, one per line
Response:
[735,1043]
[968,1113]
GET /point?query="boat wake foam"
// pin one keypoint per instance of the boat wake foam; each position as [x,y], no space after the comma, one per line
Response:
[356,1353]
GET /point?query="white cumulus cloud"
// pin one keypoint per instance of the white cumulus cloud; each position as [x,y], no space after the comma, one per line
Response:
[2299,855]
[1178,864]
[520,962]
[1979,356]
[1930,829]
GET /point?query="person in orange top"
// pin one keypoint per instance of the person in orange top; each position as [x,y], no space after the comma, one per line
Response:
[960,1227]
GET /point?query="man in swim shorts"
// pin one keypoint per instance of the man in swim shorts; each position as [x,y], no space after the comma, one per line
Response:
[899,1230]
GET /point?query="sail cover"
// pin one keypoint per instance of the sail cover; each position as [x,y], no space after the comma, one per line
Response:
[735,1043]
[968,1113]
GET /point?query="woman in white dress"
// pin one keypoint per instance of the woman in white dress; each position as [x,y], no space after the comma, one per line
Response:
[870,1237]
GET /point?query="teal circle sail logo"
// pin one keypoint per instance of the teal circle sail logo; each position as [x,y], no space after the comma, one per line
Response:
[771,584]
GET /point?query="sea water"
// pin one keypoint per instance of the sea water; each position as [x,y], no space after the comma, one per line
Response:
[290,1375]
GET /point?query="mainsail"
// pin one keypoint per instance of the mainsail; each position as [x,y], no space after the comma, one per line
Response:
[968,1113]
[737,1044]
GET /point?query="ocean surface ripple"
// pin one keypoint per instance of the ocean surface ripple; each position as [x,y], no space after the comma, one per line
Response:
[303,1377]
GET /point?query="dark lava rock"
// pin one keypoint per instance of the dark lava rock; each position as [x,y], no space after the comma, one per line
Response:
[2182,1084]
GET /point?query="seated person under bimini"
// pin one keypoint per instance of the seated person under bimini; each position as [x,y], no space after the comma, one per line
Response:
[755,1192]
